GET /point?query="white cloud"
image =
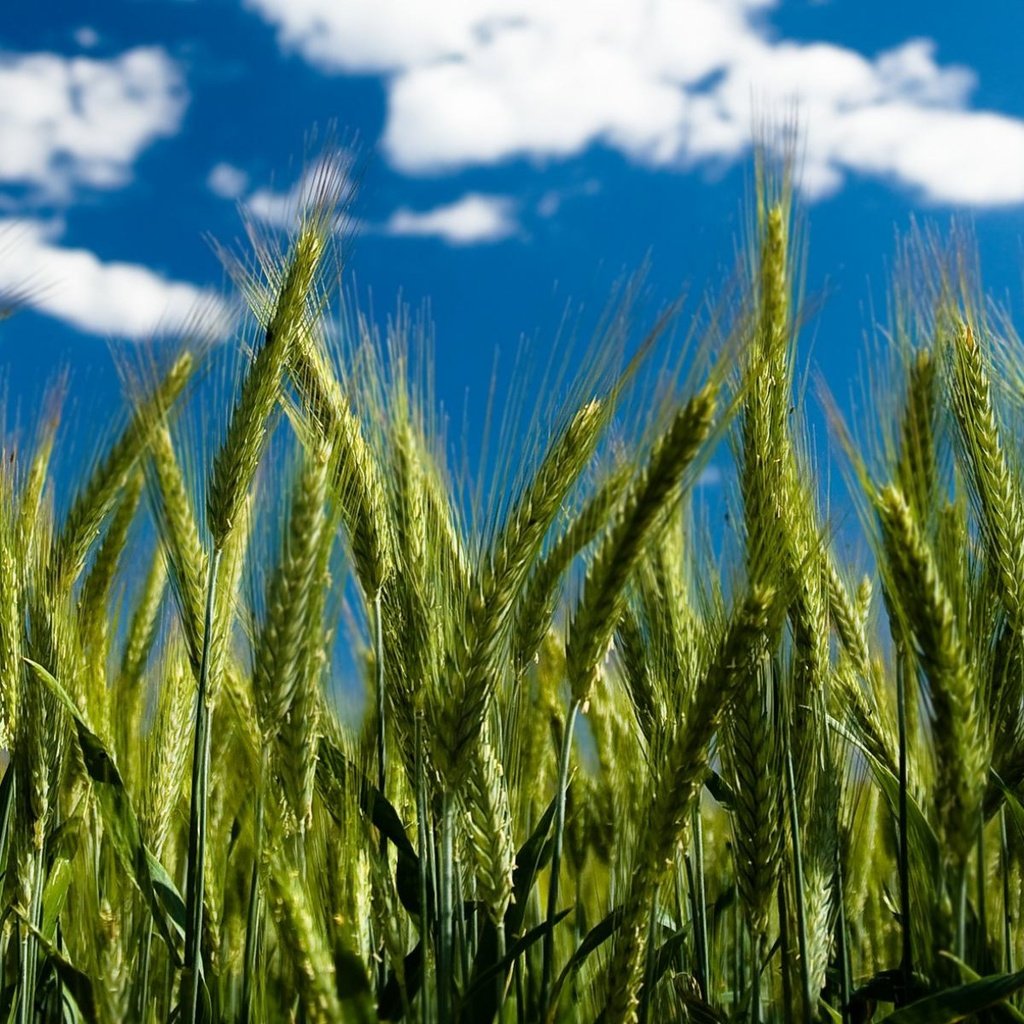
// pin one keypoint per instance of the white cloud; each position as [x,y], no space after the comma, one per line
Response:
[669,84]
[470,220]
[116,299]
[87,37]
[71,122]
[227,181]
[551,202]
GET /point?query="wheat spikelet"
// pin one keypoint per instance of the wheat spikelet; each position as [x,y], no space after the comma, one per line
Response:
[284,676]
[996,490]
[492,597]
[537,605]
[520,538]
[31,496]
[278,652]
[96,498]
[169,745]
[420,596]
[100,578]
[357,479]
[300,732]
[863,840]
[95,593]
[754,759]
[631,647]
[849,616]
[443,525]
[650,498]
[236,460]
[765,452]
[850,627]
[917,470]
[227,597]
[819,881]
[488,827]
[142,628]
[356,476]
[678,778]
[179,534]
[532,757]
[10,622]
[962,750]
[303,942]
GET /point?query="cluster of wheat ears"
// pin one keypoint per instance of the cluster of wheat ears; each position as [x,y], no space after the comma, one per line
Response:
[614,766]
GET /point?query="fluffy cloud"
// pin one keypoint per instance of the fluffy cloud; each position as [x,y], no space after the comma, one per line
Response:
[227,181]
[474,82]
[115,299]
[470,220]
[69,122]
[87,37]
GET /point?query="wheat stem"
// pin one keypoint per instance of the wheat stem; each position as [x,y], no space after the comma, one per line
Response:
[199,811]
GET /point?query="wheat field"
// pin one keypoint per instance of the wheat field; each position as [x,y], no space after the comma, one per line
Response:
[615,762]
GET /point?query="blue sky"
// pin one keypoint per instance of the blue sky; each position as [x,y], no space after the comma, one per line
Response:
[519,156]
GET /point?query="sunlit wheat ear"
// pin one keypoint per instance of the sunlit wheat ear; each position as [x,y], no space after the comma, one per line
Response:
[300,733]
[488,825]
[754,757]
[996,489]
[11,642]
[917,469]
[278,649]
[356,476]
[491,599]
[641,680]
[921,598]
[422,596]
[179,534]
[535,509]
[357,481]
[850,628]
[820,882]
[235,462]
[537,604]
[677,781]
[765,449]
[168,746]
[653,493]
[95,594]
[142,629]
[30,497]
[303,942]
[97,496]
[281,657]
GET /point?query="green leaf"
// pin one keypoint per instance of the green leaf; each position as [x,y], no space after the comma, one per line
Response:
[391,1006]
[532,856]
[486,981]
[333,772]
[968,973]
[600,933]
[923,840]
[6,817]
[55,895]
[1013,805]
[960,1002]
[77,983]
[720,789]
[122,825]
